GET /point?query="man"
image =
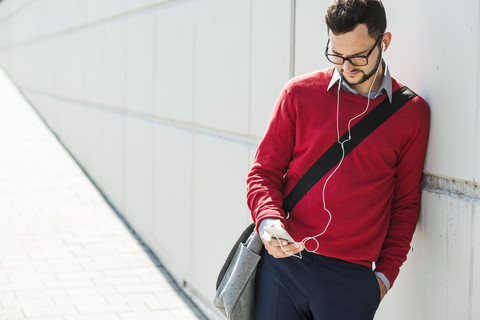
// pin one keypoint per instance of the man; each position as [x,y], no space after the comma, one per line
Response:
[361,213]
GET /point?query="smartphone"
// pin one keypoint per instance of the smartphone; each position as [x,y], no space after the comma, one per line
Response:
[279,233]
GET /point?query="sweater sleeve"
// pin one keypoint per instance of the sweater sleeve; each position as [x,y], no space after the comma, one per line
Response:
[405,207]
[266,180]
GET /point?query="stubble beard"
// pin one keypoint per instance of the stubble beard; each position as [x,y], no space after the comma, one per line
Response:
[365,76]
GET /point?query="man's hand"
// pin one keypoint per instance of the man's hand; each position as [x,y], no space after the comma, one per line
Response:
[280,249]
[383,289]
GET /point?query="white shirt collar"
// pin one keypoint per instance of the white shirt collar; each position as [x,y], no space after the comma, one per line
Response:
[386,84]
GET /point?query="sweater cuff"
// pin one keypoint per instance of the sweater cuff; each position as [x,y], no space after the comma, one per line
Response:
[270,216]
[266,222]
[389,270]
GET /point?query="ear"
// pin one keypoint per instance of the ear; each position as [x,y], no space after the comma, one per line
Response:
[387,39]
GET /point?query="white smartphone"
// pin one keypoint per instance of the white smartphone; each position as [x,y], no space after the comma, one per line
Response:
[279,233]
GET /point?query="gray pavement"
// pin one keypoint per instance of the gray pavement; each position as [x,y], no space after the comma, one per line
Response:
[64,253]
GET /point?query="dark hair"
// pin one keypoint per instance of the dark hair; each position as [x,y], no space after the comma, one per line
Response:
[344,15]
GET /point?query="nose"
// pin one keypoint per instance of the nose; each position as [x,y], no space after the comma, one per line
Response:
[347,66]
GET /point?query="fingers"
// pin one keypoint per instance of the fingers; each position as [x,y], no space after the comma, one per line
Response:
[281,249]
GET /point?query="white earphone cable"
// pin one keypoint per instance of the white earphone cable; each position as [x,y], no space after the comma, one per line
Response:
[314,238]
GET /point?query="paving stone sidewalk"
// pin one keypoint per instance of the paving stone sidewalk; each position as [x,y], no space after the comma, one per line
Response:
[64,253]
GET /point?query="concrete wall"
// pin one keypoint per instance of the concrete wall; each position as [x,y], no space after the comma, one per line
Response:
[164,102]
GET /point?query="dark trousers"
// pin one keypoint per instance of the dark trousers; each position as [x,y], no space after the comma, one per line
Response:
[315,287]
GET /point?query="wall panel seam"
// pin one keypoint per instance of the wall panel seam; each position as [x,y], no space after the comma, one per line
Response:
[88,25]
[16,12]
[250,57]
[244,139]
[476,159]
[459,189]
[292,37]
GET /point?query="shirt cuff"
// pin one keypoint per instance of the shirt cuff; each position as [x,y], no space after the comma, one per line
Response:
[266,222]
[384,279]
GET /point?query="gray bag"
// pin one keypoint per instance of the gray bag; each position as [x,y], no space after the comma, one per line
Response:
[235,296]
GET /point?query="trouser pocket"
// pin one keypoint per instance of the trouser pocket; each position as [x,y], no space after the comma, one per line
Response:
[375,289]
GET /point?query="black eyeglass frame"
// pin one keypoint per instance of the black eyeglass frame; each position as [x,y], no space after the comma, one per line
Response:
[327,55]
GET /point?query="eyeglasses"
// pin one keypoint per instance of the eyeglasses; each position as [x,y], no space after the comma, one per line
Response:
[355,60]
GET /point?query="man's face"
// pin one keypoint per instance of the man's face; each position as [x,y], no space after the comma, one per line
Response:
[356,43]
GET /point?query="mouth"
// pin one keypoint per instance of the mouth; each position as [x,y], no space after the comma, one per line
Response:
[351,74]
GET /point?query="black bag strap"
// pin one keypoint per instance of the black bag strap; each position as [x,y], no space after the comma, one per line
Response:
[333,155]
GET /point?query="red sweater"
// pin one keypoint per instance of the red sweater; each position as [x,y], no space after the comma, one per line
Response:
[374,197]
